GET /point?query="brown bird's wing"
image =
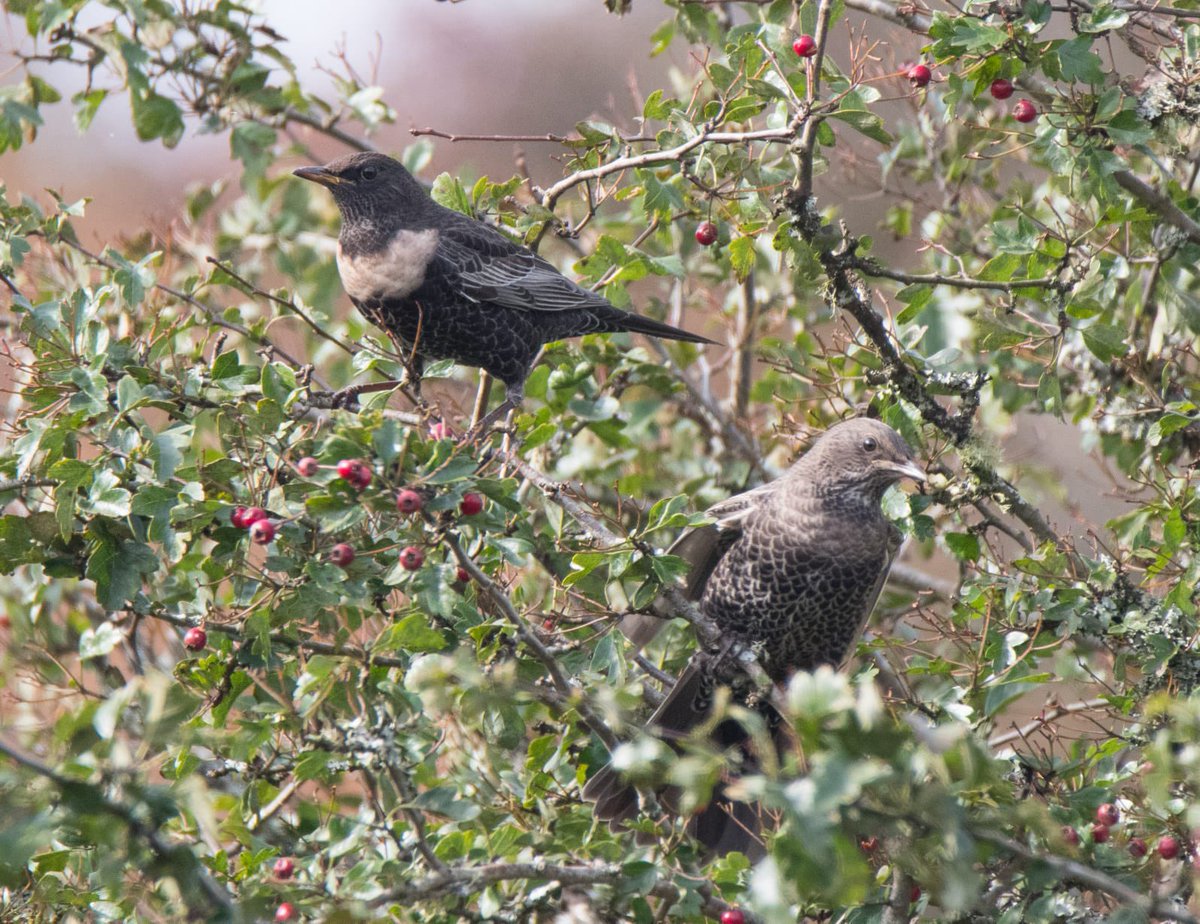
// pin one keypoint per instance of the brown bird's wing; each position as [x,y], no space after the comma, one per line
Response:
[895,538]
[702,547]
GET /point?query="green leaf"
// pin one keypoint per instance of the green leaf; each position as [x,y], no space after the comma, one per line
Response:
[156,116]
[1105,341]
[413,633]
[252,143]
[865,122]
[741,256]
[1079,62]
[963,545]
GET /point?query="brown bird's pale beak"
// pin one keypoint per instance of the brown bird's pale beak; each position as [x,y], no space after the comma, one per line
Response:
[319,175]
[908,470]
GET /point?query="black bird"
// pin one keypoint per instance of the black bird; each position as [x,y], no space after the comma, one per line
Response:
[450,287]
[791,569]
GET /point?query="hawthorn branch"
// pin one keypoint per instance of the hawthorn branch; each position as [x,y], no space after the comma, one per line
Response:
[466,879]
[905,14]
[873,267]
[1159,203]
[899,898]
[531,641]
[212,314]
[173,855]
[743,365]
[710,410]
[326,127]
[250,288]
[1024,731]
[708,135]
[1088,877]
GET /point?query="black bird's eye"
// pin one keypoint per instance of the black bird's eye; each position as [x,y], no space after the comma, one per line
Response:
[369,173]
[869,444]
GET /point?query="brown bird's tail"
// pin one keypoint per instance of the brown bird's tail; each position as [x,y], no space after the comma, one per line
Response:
[722,826]
[639,324]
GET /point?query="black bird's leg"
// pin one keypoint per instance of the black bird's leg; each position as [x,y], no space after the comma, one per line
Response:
[348,396]
[513,396]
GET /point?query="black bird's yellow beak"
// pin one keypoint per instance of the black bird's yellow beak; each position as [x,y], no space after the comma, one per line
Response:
[319,175]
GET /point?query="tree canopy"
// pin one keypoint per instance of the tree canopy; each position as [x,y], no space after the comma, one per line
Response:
[401,731]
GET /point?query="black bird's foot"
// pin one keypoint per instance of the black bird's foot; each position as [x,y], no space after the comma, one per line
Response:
[346,398]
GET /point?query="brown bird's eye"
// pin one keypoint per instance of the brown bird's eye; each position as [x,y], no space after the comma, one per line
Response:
[869,444]
[368,173]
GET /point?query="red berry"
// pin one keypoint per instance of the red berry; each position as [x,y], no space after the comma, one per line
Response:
[472,504]
[1108,814]
[548,624]
[284,912]
[412,558]
[1024,111]
[462,575]
[354,472]
[252,515]
[1168,847]
[1001,88]
[706,234]
[262,532]
[732,916]
[1137,847]
[1070,835]
[409,501]
[919,75]
[1099,833]
[440,430]
[342,554]
[195,638]
[238,517]
[284,867]
[805,46]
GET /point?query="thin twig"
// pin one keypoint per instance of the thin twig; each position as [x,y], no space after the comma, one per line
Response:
[1024,731]
[1074,871]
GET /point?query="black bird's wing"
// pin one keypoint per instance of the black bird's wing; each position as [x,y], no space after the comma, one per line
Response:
[491,268]
[702,547]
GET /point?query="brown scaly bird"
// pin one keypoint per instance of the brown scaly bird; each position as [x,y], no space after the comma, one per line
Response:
[790,569]
[447,286]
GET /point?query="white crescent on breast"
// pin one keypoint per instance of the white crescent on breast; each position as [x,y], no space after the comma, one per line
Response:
[393,272]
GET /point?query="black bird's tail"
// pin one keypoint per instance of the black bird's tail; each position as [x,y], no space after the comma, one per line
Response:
[639,324]
[722,826]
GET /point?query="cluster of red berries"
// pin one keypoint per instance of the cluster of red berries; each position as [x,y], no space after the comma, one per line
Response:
[256,521]
[355,473]
[1107,816]
[358,475]
[1023,110]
